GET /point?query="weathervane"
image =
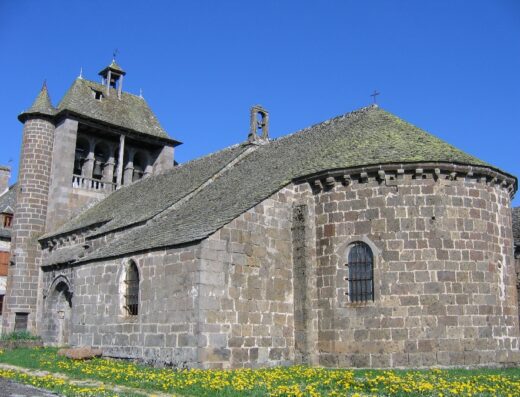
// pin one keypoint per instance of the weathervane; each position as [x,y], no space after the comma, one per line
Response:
[114,54]
[374,95]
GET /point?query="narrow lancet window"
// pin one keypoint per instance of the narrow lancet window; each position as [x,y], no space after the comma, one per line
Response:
[132,289]
[360,264]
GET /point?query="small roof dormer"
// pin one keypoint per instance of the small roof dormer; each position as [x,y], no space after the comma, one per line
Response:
[111,76]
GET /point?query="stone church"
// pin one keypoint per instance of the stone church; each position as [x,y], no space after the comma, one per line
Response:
[361,241]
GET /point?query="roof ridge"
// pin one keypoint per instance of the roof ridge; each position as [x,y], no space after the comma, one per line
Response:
[84,80]
[204,184]
[211,163]
[348,115]
[175,205]
[227,148]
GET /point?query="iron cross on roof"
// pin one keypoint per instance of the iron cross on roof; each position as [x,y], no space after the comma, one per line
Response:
[374,95]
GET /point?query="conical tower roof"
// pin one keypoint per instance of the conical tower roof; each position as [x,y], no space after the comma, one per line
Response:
[42,105]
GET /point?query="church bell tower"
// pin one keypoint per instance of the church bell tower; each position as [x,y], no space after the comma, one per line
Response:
[112,77]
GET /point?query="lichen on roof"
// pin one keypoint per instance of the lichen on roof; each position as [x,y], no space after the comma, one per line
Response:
[42,105]
[155,194]
[368,136]
[113,66]
[129,112]
[65,255]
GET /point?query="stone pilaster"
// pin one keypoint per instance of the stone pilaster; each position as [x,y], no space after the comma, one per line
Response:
[304,283]
[164,160]
[60,208]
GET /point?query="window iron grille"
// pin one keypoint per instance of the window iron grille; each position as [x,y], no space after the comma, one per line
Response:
[360,273]
[132,290]
[21,321]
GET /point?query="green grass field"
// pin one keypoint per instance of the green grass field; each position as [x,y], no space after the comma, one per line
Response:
[292,381]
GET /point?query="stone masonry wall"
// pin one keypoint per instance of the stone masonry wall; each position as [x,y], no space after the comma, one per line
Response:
[66,201]
[517,267]
[305,277]
[29,222]
[444,277]
[246,292]
[226,302]
[60,207]
[165,329]
[269,288]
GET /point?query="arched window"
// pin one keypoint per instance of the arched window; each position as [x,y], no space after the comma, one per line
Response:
[139,166]
[100,158]
[132,289]
[82,149]
[360,264]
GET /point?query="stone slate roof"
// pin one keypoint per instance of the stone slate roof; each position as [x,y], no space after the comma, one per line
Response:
[113,66]
[148,197]
[130,112]
[65,255]
[516,226]
[368,136]
[8,200]
[7,203]
[41,105]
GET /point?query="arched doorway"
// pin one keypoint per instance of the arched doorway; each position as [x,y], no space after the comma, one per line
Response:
[59,309]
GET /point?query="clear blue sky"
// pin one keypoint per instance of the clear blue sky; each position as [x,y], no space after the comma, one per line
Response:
[451,67]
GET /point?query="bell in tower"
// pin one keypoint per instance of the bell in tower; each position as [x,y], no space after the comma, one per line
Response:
[97,172]
[112,77]
[259,125]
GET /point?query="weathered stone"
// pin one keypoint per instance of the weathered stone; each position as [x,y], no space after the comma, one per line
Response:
[269,280]
[80,353]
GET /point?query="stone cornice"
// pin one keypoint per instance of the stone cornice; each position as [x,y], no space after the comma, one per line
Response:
[392,174]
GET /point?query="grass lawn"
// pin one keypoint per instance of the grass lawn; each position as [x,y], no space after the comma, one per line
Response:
[287,381]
